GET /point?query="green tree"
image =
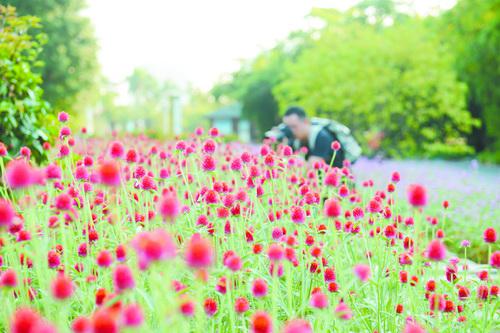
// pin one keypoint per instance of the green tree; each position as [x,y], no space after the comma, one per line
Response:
[253,84]
[70,55]
[24,114]
[397,80]
[472,28]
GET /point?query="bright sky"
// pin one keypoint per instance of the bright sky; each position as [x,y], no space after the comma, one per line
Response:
[199,41]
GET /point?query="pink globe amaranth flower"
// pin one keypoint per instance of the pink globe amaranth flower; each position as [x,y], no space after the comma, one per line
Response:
[109,173]
[297,214]
[19,174]
[169,206]
[63,202]
[261,322]
[343,311]
[153,246]
[276,252]
[319,300]
[187,308]
[213,132]
[116,149]
[25,152]
[3,150]
[259,288]
[209,146]
[208,163]
[417,195]
[298,326]
[363,272]
[53,171]
[64,132]
[495,259]
[63,117]
[332,208]
[104,258]
[241,305]
[123,278]
[24,320]
[490,235]
[335,145]
[436,250]
[233,262]
[81,325]
[132,315]
[210,306]
[412,327]
[199,252]
[7,213]
[62,287]
[104,321]
[395,177]
[8,278]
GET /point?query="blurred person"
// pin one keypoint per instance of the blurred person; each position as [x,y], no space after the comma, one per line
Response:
[317,135]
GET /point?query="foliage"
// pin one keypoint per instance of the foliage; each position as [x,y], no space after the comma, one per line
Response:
[472,27]
[24,114]
[70,56]
[253,84]
[398,80]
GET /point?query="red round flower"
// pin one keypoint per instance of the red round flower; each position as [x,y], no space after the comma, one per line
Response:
[261,322]
[199,252]
[436,250]
[62,287]
[109,172]
[490,235]
[123,278]
[7,213]
[332,208]
[417,195]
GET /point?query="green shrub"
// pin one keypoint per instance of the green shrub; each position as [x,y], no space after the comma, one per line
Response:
[24,114]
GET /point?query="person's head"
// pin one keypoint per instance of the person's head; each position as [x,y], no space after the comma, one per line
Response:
[295,118]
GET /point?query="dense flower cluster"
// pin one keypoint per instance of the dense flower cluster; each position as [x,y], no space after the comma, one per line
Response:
[196,235]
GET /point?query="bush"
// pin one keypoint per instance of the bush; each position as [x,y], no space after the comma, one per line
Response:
[24,114]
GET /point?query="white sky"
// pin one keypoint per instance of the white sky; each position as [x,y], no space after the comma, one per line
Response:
[198,41]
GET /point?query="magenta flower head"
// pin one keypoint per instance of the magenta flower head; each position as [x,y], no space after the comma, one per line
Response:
[332,208]
[63,117]
[199,252]
[363,272]
[436,250]
[495,259]
[465,243]
[276,252]
[123,278]
[19,174]
[417,195]
[153,246]
[412,327]
[132,315]
[7,213]
[208,163]
[116,149]
[109,173]
[335,145]
[343,311]
[169,206]
[490,235]
[298,326]
[259,288]
[297,214]
[319,300]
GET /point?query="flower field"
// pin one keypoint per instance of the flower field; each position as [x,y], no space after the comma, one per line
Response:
[133,234]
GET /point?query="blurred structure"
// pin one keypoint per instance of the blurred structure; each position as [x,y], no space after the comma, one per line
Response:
[229,121]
